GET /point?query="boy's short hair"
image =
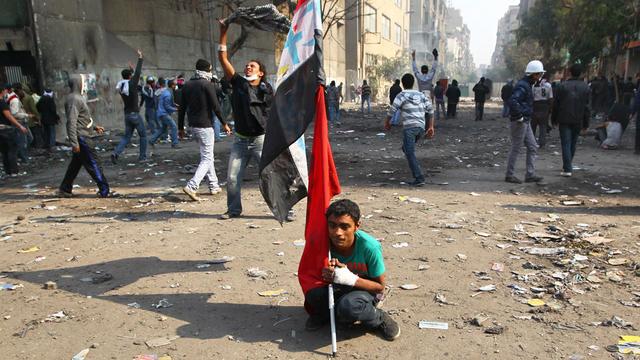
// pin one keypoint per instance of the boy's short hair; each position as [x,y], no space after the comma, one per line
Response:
[575,70]
[407,81]
[344,207]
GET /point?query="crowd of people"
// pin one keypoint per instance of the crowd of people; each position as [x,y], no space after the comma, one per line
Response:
[204,103]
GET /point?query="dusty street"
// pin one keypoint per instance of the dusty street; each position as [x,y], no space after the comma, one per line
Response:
[145,273]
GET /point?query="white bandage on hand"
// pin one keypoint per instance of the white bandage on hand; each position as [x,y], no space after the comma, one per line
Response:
[344,276]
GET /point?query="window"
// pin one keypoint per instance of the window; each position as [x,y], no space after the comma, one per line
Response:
[398,34]
[386,27]
[370,59]
[370,15]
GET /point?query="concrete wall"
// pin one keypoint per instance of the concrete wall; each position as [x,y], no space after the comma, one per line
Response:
[101,36]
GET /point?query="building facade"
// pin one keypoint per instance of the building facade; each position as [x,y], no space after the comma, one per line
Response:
[375,29]
[505,35]
[460,61]
[428,31]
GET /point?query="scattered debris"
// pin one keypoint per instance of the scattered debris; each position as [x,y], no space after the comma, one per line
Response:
[494,330]
[543,251]
[50,285]
[535,302]
[423,324]
[400,245]
[409,286]
[161,341]
[441,299]
[163,303]
[272,293]
[29,250]
[81,355]
[257,273]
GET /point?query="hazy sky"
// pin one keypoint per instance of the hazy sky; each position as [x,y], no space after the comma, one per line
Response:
[482,19]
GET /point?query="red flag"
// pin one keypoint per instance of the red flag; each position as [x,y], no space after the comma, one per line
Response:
[323,185]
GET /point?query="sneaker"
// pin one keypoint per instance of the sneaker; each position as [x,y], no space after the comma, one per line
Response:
[291,216]
[192,194]
[215,191]
[176,147]
[566,173]
[227,216]
[417,183]
[62,194]
[314,323]
[389,327]
[513,180]
[533,179]
[114,159]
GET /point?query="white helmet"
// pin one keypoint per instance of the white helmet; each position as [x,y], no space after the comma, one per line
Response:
[534,67]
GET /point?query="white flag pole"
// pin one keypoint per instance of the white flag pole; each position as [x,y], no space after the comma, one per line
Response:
[332,315]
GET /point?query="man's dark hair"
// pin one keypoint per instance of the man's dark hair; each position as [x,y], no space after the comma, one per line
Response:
[424,69]
[7,86]
[261,67]
[454,82]
[575,70]
[482,79]
[126,74]
[344,207]
[364,82]
[396,81]
[16,86]
[332,83]
[407,81]
[171,82]
[203,65]
[161,81]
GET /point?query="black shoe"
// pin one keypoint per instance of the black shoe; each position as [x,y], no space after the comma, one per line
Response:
[513,180]
[533,179]
[389,327]
[114,159]
[417,183]
[315,323]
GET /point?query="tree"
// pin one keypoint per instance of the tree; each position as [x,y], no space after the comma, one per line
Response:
[334,12]
[384,68]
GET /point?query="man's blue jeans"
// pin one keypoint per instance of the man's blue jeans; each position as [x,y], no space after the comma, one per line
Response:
[153,122]
[334,112]
[133,121]
[568,139]
[506,111]
[243,149]
[351,305]
[368,100]
[410,137]
[167,124]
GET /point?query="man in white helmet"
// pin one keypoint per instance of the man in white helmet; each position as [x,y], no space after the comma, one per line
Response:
[521,109]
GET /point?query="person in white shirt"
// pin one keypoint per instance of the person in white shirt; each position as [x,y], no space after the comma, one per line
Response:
[424,76]
[542,102]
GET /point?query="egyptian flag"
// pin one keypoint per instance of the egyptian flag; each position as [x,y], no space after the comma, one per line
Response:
[283,165]
[323,185]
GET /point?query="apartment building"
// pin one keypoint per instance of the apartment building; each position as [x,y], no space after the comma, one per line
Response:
[375,29]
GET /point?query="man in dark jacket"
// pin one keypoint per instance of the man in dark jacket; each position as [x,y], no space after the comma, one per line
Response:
[149,100]
[394,90]
[438,95]
[49,118]
[199,101]
[453,98]
[251,102]
[505,94]
[128,89]
[521,109]
[480,91]
[571,113]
